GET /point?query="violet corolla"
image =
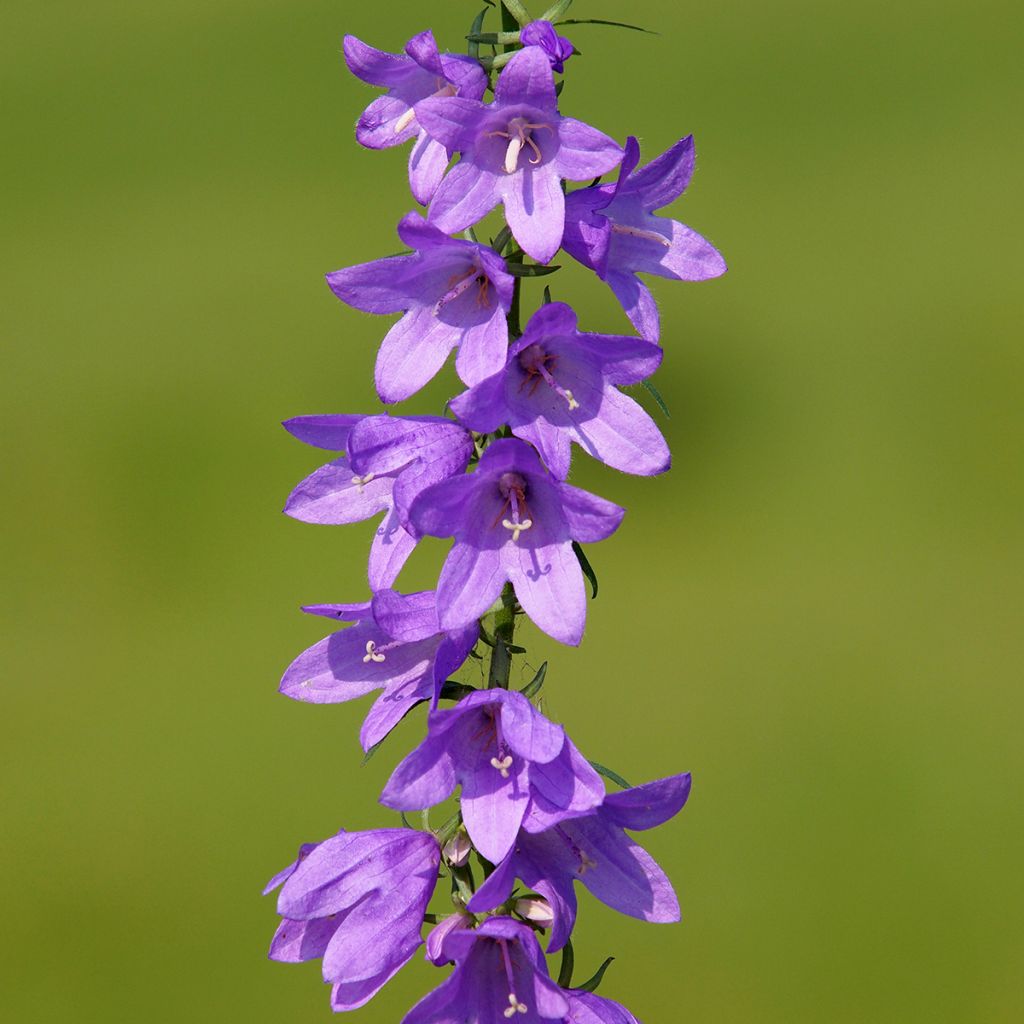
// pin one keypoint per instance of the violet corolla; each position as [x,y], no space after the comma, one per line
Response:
[614,230]
[561,387]
[514,766]
[557,48]
[513,521]
[409,77]
[515,151]
[454,294]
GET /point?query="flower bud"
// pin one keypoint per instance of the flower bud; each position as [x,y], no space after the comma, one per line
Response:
[457,849]
[535,909]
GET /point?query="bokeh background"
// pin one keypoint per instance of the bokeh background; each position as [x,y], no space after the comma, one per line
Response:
[817,612]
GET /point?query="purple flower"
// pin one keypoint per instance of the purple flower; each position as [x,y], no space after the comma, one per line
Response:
[389,460]
[515,767]
[556,48]
[395,645]
[595,850]
[357,900]
[613,230]
[559,386]
[454,294]
[390,120]
[587,1008]
[512,520]
[500,974]
[514,151]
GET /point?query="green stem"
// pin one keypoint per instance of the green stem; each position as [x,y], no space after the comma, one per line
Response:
[513,15]
[504,627]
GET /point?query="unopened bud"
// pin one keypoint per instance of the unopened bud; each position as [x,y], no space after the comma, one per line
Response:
[535,909]
[458,849]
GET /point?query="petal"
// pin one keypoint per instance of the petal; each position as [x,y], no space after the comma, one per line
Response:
[623,358]
[493,806]
[297,941]
[527,78]
[549,1002]
[535,209]
[374,66]
[440,932]
[386,444]
[553,442]
[412,353]
[451,120]
[416,232]
[391,707]
[497,887]
[590,518]
[464,73]
[470,582]
[333,671]
[428,160]
[637,302]
[587,235]
[565,788]
[445,1005]
[588,1008]
[549,585]
[406,617]
[331,495]
[483,407]
[438,510]
[528,732]
[630,159]
[622,435]
[341,612]
[384,124]
[423,49]
[466,196]
[452,654]
[483,348]
[665,178]
[392,545]
[649,805]
[375,287]
[691,256]
[584,152]
[327,431]
[423,778]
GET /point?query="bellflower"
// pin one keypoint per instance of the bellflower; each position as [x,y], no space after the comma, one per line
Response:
[515,767]
[614,230]
[557,48]
[500,973]
[560,386]
[588,1008]
[395,645]
[357,900]
[512,520]
[390,120]
[514,151]
[455,294]
[389,460]
[595,850]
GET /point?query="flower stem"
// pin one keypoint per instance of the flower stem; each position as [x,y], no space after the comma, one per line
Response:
[504,627]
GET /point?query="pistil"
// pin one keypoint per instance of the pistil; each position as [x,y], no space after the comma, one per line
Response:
[514,1005]
[651,236]
[534,360]
[410,115]
[513,487]
[520,134]
[361,481]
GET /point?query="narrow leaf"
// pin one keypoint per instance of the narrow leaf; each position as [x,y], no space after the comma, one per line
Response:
[453,690]
[555,11]
[516,9]
[588,569]
[405,820]
[547,295]
[656,395]
[609,774]
[568,962]
[612,24]
[532,688]
[590,986]
[474,46]
[531,269]
[373,750]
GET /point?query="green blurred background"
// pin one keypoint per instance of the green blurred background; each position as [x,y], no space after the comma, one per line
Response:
[817,612]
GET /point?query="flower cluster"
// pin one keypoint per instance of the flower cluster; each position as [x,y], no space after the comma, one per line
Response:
[533,812]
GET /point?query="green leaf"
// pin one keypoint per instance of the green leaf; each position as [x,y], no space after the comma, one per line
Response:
[588,569]
[515,649]
[609,774]
[373,750]
[560,87]
[591,985]
[515,9]
[405,820]
[504,236]
[531,269]
[478,23]
[612,24]
[656,395]
[454,690]
[493,38]
[532,688]
[555,11]
[568,961]
[547,295]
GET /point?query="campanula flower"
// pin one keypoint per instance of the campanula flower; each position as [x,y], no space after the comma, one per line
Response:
[614,230]
[409,77]
[560,386]
[454,294]
[515,151]
[588,1008]
[556,48]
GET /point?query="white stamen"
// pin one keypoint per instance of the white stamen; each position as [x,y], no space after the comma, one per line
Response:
[372,654]
[404,121]
[503,765]
[651,236]
[573,404]
[515,145]
[514,1006]
[361,481]
[516,528]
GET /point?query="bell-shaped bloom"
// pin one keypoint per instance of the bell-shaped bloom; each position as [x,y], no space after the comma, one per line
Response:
[512,520]
[454,294]
[394,645]
[556,48]
[588,1008]
[614,230]
[409,77]
[560,386]
[595,850]
[357,900]
[500,974]
[515,151]
[389,460]
[515,767]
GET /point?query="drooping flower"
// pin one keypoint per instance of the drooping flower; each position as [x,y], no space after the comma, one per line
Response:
[357,900]
[595,850]
[614,230]
[515,767]
[588,1008]
[394,645]
[556,48]
[560,386]
[455,294]
[514,151]
[512,520]
[500,974]
[389,460]
[390,120]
